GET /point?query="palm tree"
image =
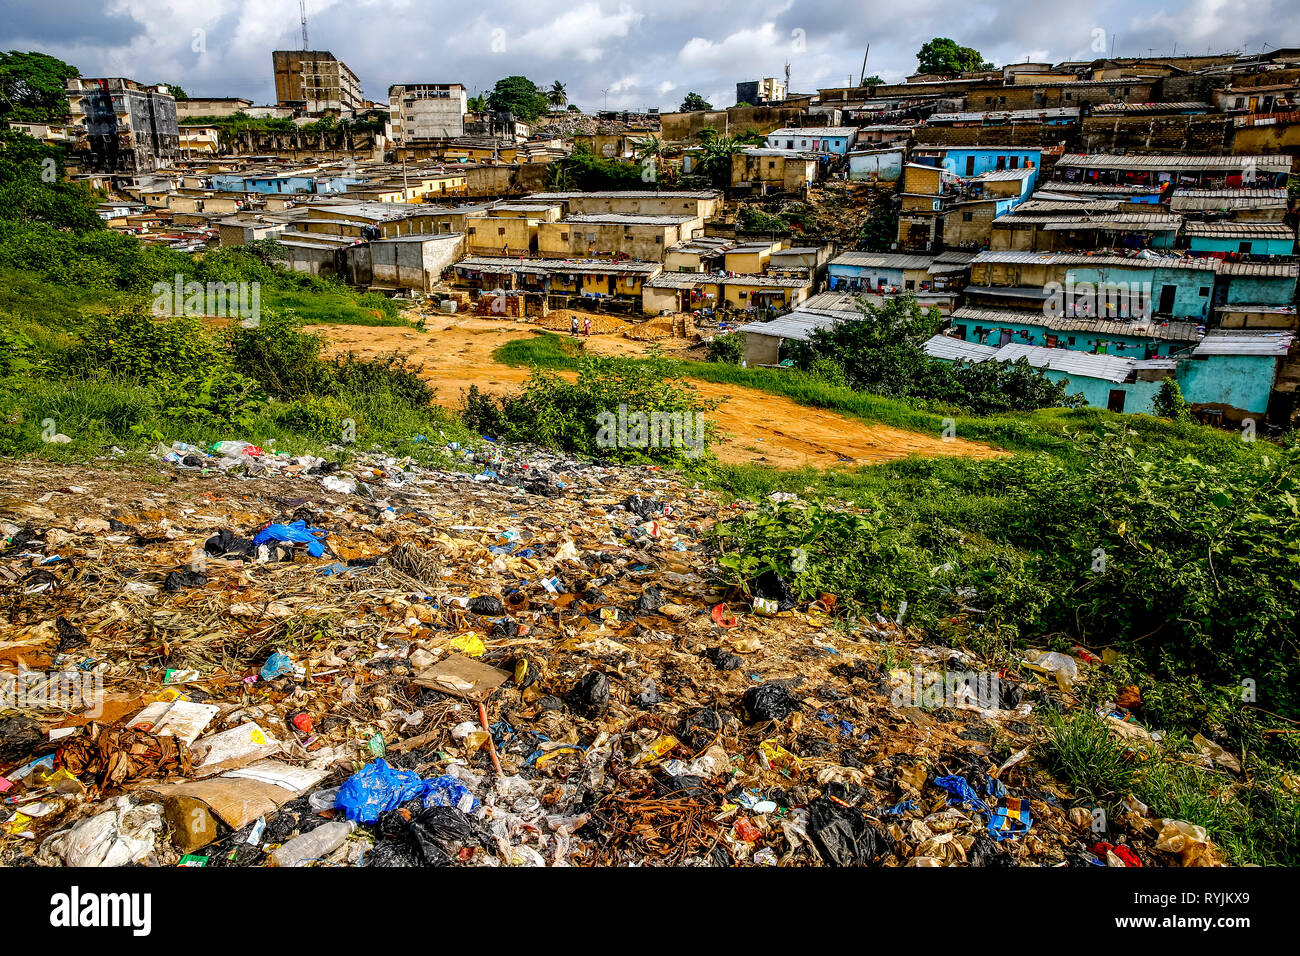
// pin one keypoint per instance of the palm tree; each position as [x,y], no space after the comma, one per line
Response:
[715,159]
[557,95]
[650,147]
[476,104]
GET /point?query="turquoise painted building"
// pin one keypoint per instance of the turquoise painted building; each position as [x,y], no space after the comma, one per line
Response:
[1096,336]
[972,161]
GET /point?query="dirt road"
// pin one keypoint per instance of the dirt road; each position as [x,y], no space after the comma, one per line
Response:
[755,426]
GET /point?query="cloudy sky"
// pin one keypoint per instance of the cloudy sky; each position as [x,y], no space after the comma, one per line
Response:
[627,53]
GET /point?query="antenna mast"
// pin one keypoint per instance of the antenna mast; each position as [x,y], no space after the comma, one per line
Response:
[302,12]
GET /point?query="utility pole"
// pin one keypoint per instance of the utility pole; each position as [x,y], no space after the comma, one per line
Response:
[863,75]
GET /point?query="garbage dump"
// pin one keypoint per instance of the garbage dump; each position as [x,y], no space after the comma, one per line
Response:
[525,660]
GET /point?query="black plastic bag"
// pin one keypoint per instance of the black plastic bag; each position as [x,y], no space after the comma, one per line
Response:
[487,606]
[770,701]
[843,836]
[651,600]
[590,696]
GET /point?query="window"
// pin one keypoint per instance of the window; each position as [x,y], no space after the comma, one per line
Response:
[771,164]
[909,285]
[473,230]
[564,237]
[1015,162]
[1205,290]
[659,239]
[501,230]
[967,217]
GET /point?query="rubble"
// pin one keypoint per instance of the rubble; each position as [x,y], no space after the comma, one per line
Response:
[526,662]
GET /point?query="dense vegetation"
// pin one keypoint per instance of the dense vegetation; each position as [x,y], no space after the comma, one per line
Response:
[84,352]
[885,356]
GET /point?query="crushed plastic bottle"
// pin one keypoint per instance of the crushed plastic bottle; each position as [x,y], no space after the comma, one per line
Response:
[313,845]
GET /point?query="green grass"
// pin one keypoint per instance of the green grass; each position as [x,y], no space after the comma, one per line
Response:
[334,307]
[1253,822]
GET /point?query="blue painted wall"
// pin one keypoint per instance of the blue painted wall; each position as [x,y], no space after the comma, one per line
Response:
[1242,381]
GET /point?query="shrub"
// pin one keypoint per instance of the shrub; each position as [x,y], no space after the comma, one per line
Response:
[727,347]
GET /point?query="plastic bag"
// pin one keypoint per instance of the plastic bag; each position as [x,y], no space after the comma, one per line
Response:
[375,788]
[296,533]
[125,834]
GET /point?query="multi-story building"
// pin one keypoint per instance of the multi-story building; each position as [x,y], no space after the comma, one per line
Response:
[129,127]
[761,92]
[424,111]
[314,82]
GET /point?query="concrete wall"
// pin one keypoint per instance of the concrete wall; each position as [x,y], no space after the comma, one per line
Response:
[885,166]
[1242,382]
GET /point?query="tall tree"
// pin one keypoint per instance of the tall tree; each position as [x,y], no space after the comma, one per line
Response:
[520,96]
[557,94]
[32,87]
[177,93]
[947,58]
[694,103]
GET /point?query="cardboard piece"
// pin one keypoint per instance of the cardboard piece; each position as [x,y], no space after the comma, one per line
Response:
[175,718]
[463,676]
[232,749]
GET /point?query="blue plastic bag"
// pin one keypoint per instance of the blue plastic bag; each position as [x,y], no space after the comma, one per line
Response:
[375,788]
[447,791]
[277,665]
[296,533]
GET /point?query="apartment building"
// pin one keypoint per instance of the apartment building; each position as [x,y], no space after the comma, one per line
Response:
[128,127]
[315,82]
[425,111]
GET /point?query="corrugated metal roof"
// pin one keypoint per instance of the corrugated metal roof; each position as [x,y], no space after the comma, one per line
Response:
[831,302]
[1178,163]
[1101,189]
[544,266]
[1133,221]
[815,132]
[1067,205]
[630,194]
[1259,270]
[1138,108]
[796,325]
[1240,230]
[882,260]
[1070,259]
[955,349]
[1110,368]
[627,219]
[1228,342]
[687,280]
[1006,175]
[1063,112]
[1163,331]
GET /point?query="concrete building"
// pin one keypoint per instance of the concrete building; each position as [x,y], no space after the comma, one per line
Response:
[218,106]
[704,203]
[425,111]
[129,127]
[615,234]
[760,92]
[767,170]
[413,263]
[836,140]
[315,82]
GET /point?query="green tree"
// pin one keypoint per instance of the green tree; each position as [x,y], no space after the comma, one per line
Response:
[946,57]
[33,187]
[1169,402]
[520,96]
[715,160]
[872,80]
[557,95]
[476,104]
[177,93]
[32,88]
[694,103]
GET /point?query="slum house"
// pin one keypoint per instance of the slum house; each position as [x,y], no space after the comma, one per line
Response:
[765,171]
[1125,337]
[1224,239]
[877,165]
[977,203]
[702,203]
[509,228]
[1209,172]
[689,291]
[1242,204]
[1104,381]
[702,254]
[1178,288]
[644,237]
[1084,230]
[835,140]
[510,286]
[415,263]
